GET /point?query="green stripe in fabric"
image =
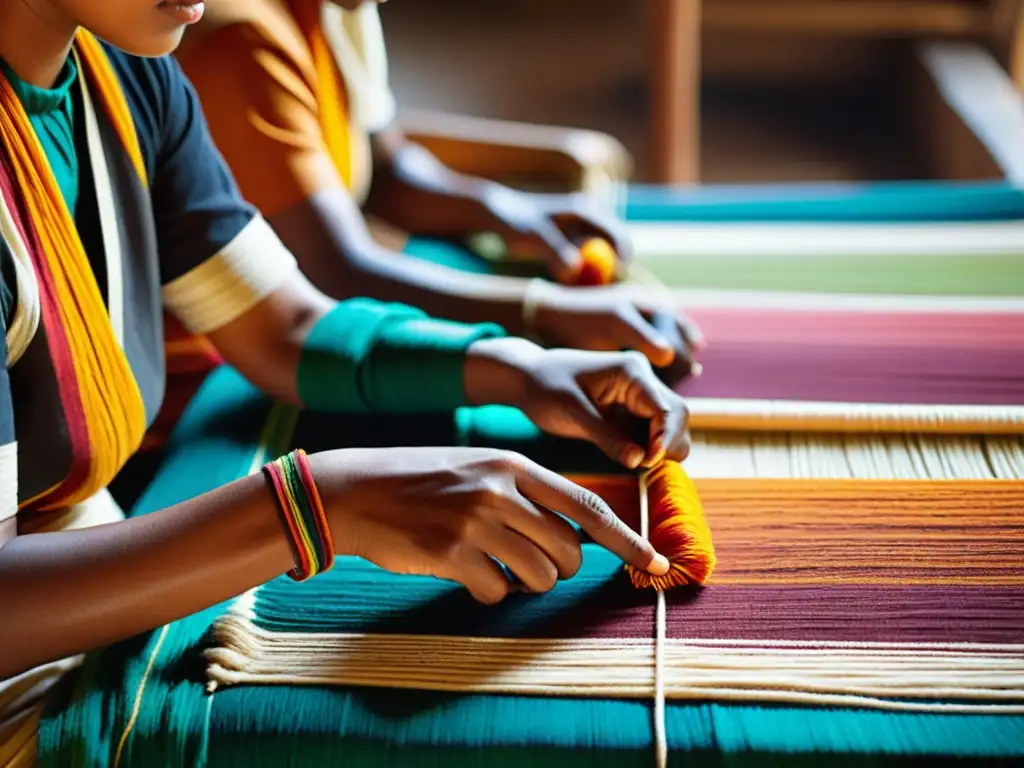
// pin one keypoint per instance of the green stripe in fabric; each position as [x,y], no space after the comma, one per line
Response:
[974,275]
[264,726]
[984,275]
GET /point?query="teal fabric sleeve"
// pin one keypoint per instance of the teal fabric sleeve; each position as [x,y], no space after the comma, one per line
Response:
[368,356]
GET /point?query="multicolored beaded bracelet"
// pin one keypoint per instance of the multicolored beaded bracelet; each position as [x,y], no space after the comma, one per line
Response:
[299,502]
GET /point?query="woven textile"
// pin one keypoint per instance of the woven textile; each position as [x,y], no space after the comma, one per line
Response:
[881,327]
[894,201]
[145,699]
[870,569]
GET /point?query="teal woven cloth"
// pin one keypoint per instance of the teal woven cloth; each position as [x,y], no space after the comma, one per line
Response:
[161,676]
[926,201]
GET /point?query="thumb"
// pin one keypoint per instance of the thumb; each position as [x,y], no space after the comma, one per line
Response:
[611,438]
[563,258]
[637,333]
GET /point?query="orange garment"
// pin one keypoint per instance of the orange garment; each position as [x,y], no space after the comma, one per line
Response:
[275,103]
[275,100]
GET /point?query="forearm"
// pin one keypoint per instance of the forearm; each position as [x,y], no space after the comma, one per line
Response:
[70,592]
[355,356]
[266,343]
[328,236]
[415,191]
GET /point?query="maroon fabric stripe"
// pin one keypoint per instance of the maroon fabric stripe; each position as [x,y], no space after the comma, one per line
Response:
[809,614]
[858,373]
[60,352]
[864,613]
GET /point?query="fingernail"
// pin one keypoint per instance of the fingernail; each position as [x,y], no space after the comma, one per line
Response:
[659,565]
[634,456]
[696,369]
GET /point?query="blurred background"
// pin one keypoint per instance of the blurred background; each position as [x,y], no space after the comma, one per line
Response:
[721,90]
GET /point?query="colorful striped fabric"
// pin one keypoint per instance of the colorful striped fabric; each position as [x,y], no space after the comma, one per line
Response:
[881,604]
[940,259]
[98,393]
[915,312]
[859,575]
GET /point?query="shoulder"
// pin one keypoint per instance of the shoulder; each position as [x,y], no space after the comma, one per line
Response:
[151,85]
[159,97]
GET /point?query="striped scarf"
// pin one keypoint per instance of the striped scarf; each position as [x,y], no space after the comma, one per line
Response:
[100,397]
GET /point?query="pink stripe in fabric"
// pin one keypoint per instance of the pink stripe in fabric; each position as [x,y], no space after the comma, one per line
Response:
[885,357]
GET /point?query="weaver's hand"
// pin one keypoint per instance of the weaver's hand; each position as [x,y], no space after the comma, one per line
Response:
[548,225]
[610,319]
[456,513]
[582,395]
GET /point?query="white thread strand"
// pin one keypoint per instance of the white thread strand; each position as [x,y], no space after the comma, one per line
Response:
[660,735]
[660,630]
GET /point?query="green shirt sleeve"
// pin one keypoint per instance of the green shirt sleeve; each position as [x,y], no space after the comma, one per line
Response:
[369,356]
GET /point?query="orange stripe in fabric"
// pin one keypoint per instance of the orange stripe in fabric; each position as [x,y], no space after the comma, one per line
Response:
[112,406]
[854,531]
[103,77]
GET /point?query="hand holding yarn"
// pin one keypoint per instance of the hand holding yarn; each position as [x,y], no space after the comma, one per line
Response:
[462,513]
[593,396]
[613,318]
[549,227]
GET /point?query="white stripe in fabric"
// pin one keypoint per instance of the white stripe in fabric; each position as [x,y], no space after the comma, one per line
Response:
[109,229]
[27,309]
[8,480]
[823,241]
[692,298]
[709,413]
[912,677]
[230,283]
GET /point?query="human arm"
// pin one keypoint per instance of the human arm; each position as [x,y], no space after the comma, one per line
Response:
[413,190]
[261,103]
[448,513]
[295,343]
[442,512]
[329,237]
[72,591]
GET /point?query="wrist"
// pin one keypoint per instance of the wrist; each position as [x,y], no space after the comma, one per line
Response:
[334,473]
[541,300]
[495,370]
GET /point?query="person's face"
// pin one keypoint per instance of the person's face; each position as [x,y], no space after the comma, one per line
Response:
[351,5]
[139,27]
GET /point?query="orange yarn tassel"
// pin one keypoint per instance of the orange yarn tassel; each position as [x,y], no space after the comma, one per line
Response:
[677,528]
[599,261]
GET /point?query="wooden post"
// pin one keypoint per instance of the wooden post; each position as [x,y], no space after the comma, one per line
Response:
[1008,28]
[676,32]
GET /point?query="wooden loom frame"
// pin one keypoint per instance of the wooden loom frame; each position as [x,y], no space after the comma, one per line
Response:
[677,28]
